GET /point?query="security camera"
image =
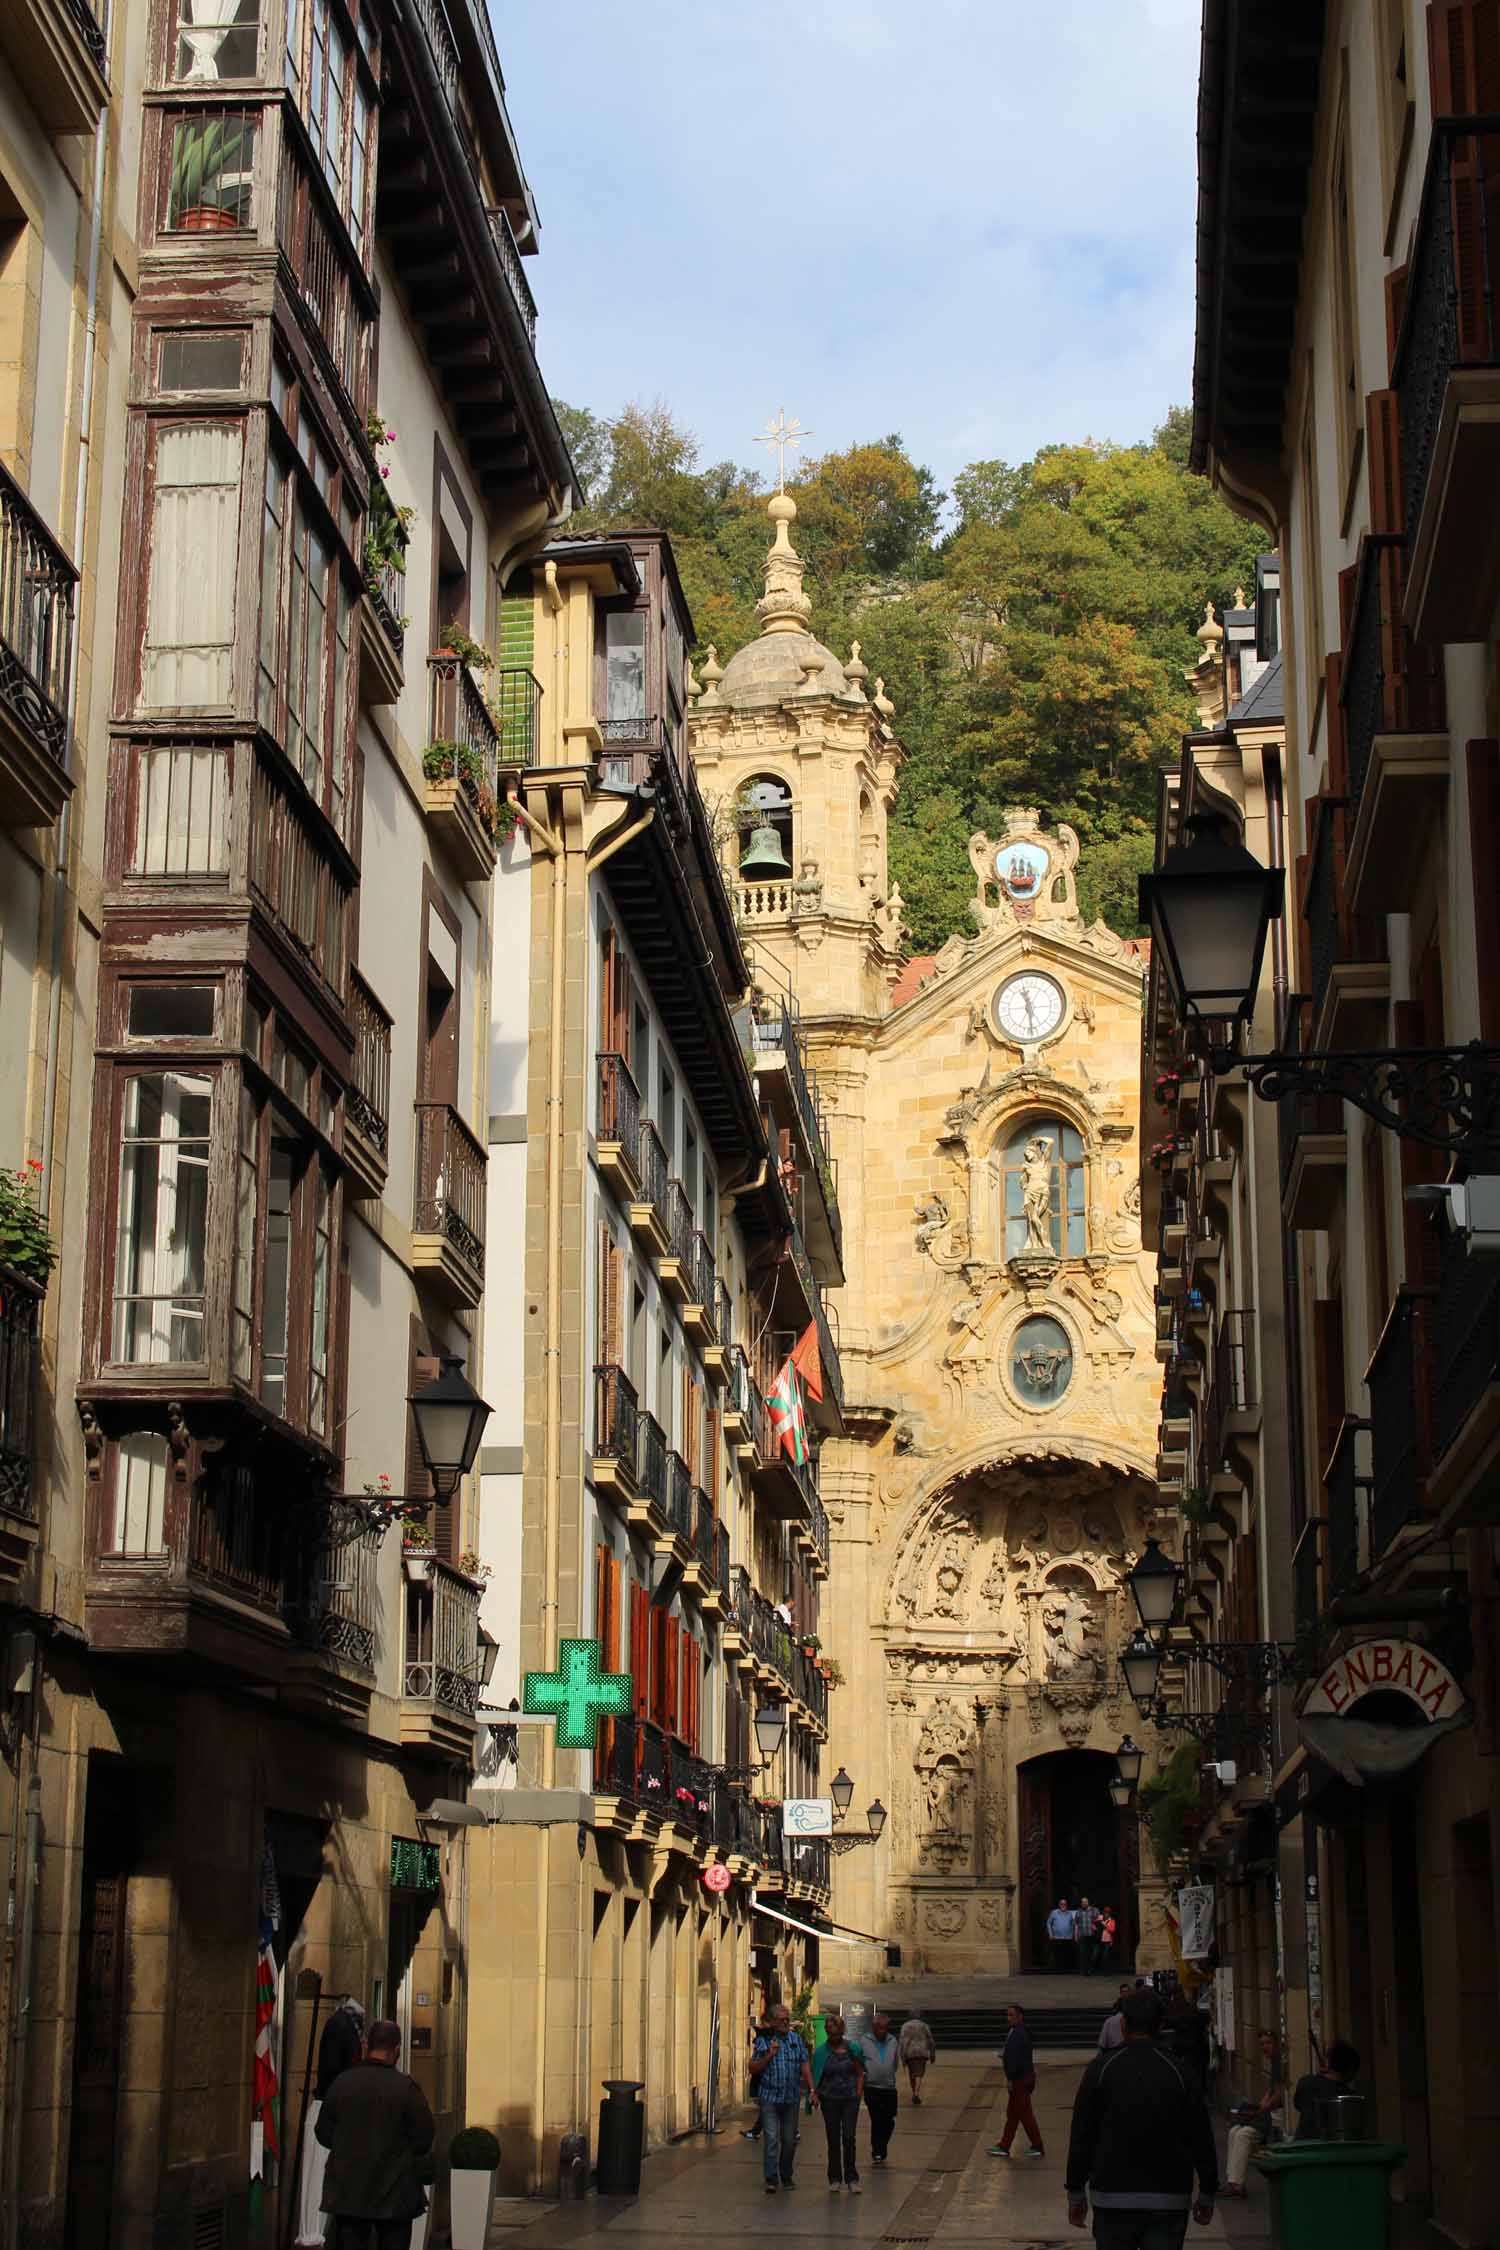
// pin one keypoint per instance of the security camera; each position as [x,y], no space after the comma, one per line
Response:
[1469,1208]
[1223,1770]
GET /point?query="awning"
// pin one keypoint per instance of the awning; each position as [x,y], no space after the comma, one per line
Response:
[837,1932]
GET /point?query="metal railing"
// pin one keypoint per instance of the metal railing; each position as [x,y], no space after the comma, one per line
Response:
[89,28]
[679,1498]
[1323,894]
[339,1608]
[1467,1335]
[653,1169]
[723,1312]
[37,591]
[385,584]
[679,1224]
[778,1033]
[367,1097]
[701,1268]
[450,1181]
[20,1363]
[1400,1417]
[516,708]
[237,1537]
[1449,315]
[818,1528]
[503,235]
[651,1461]
[616,1416]
[742,1598]
[1306,1607]
[1230,1389]
[464,745]
[1343,1486]
[619,1111]
[442,1640]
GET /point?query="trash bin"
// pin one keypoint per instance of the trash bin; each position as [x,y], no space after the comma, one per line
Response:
[622,2136]
[817,2030]
[1330,2191]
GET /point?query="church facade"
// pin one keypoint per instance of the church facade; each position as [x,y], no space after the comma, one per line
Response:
[996,1331]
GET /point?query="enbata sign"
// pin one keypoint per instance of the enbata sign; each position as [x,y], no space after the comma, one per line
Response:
[1387,1666]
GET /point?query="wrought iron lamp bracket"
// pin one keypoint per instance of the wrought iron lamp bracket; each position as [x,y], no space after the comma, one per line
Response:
[1262,1664]
[1226,1732]
[1446,1098]
[840,1843]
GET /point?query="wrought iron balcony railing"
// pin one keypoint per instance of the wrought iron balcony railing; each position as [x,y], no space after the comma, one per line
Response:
[619,1110]
[1449,317]
[385,583]
[777,1032]
[510,264]
[450,1181]
[1399,1383]
[465,745]
[517,711]
[37,592]
[1231,1390]
[367,1098]
[679,1216]
[20,1362]
[1345,1489]
[442,1640]
[1467,1337]
[651,1462]
[338,1607]
[616,1417]
[653,1169]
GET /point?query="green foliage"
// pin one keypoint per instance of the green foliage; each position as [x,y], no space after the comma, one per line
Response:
[462,645]
[1173,1806]
[458,761]
[212,160]
[25,1244]
[1035,648]
[474,2149]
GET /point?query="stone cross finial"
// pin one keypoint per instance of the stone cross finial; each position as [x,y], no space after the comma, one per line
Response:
[777,436]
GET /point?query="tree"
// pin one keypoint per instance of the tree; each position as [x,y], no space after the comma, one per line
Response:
[588,440]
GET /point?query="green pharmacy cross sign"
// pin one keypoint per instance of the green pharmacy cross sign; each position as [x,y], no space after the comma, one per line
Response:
[578,1694]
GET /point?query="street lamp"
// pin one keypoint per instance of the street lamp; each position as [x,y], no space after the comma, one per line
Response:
[1153,1582]
[489,1651]
[1120,1794]
[877,1817]
[1209,907]
[1128,1763]
[450,1416]
[841,1790]
[1141,1666]
[770,1730]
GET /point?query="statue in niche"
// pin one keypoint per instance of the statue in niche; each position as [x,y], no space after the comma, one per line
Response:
[952,1570]
[1036,1193]
[1070,1625]
[947,1788]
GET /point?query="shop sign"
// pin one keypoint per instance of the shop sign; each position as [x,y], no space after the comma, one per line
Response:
[1391,1667]
[1195,1920]
[578,1694]
[414,1865]
[716,1878]
[807,1816]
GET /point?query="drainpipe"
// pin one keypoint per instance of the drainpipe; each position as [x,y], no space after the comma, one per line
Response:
[80,519]
[21,2009]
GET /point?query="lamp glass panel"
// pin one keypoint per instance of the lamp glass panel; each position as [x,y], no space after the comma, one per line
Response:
[841,1789]
[877,1817]
[1140,1664]
[1213,931]
[770,1728]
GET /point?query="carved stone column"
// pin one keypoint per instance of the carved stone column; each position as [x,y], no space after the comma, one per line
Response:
[992,1838]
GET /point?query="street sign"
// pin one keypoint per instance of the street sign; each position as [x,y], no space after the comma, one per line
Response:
[807,1816]
[717,1878]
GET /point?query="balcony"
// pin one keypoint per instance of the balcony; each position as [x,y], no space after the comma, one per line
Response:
[1306,1605]
[661,1501]
[461,768]
[335,1617]
[813,1537]
[1466,1382]
[1313,1145]
[777,1046]
[383,619]
[1348,974]
[714,1348]
[1399,1378]
[617,1127]
[440,1671]
[1446,374]
[20,1371]
[1346,1487]
[770,1644]
[617,1432]
[37,591]
[516,707]
[1229,1404]
[447,1246]
[634,752]
[647,1209]
[57,50]
[699,1305]
[737,1618]
[367,1097]
[674,1268]
[1389,685]
[631,1769]
[707,1572]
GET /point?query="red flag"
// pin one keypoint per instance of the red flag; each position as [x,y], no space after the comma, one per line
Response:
[807,1362]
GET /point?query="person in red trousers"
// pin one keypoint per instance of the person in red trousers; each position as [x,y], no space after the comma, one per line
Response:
[1020,2077]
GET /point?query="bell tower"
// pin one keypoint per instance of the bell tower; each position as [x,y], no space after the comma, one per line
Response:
[799,761]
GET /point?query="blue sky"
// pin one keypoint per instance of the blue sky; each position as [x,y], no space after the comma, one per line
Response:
[967,220]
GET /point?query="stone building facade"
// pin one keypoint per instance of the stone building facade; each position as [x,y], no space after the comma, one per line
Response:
[998,1474]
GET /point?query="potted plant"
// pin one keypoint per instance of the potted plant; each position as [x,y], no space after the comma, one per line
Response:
[473,2160]
[417,1548]
[26,1246]
[1173,1807]
[212,163]
[471,1566]
[1168,1086]
[456,642]
[833,1671]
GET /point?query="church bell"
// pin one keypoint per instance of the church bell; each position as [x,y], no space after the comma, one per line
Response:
[763,855]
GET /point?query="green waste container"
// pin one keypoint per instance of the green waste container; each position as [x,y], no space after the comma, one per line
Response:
[817,2031]
[1326,2192]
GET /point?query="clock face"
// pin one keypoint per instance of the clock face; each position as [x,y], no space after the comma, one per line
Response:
[1028,1008]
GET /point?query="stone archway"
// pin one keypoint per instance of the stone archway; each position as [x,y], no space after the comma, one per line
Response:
[1004,1613]
[1073,1845]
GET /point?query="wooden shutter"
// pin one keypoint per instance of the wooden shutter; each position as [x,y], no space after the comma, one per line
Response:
[712,1451]
[1463,56]
[1328,1374]
[1333,724]
[1395,312]
[607,1631]
[608,956]
[1483,762]
[608,1312]
[640,1648]
[692,1425]
[624,1008]
[687,1666]
[1383,447]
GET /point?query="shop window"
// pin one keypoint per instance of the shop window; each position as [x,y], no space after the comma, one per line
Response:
[1044,1191]
[215,40]
[161,1249]
[209,181]
[187,659]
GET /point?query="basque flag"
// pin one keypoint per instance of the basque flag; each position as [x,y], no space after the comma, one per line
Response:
[788,1416]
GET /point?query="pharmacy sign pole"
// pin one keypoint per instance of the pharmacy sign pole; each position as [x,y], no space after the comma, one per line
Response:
[578,1694]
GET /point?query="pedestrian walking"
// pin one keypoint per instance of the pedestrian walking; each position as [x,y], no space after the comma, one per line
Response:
[340,2046]
[918,2049]
[782,2072]
[1060,1931]
[1141,2137]
[1317,2086]
[839,2076]
[881,2054]
[1020,2078]
[1254,2123]
[375,2125]
[1112,2030]
[1085,1933]
[753,2132]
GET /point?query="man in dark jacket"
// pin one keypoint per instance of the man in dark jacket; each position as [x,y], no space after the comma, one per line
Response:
[1141,2132]
[1020,2077]
[1325,2085]
[375,2124]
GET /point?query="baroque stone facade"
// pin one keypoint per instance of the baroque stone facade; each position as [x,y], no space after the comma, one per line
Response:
[996,1329]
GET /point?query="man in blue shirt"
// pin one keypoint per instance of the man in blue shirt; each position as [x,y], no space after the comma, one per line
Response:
[1060,1931]
[781,2071]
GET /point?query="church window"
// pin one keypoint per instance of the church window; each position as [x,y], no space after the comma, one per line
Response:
[764,824]
[1045,1154]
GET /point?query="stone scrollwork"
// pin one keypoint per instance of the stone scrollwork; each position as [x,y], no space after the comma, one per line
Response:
[944,1917]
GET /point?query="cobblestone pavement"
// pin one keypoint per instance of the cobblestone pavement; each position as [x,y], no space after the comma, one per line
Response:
[940,2188]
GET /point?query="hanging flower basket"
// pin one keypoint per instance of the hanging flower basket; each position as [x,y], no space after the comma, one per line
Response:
[1168,1086]
[415,1560]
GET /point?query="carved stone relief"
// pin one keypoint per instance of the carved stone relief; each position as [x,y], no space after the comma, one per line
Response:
[944,1917]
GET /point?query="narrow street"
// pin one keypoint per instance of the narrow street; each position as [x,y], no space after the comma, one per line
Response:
[940,2187]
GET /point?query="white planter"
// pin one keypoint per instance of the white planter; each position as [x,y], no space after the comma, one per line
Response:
[470,2196]
[420,2226]
[416,1560]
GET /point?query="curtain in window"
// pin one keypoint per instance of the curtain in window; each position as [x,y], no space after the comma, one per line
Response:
[181,809]
[188,658]
[163,1219]
[140,1496]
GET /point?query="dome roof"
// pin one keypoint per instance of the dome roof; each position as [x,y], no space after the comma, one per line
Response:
[766,670]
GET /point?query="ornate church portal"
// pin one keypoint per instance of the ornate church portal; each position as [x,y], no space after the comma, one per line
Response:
[996,1332]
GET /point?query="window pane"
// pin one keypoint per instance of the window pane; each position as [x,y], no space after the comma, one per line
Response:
[163,1219]
[140,1495]
[200,363]
[322,1286]
[270,589]
[182,810]
[172,1011]
[276,1313]
[242,1338]
[189,650]
[625,656]
[212,171]
[217,39]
